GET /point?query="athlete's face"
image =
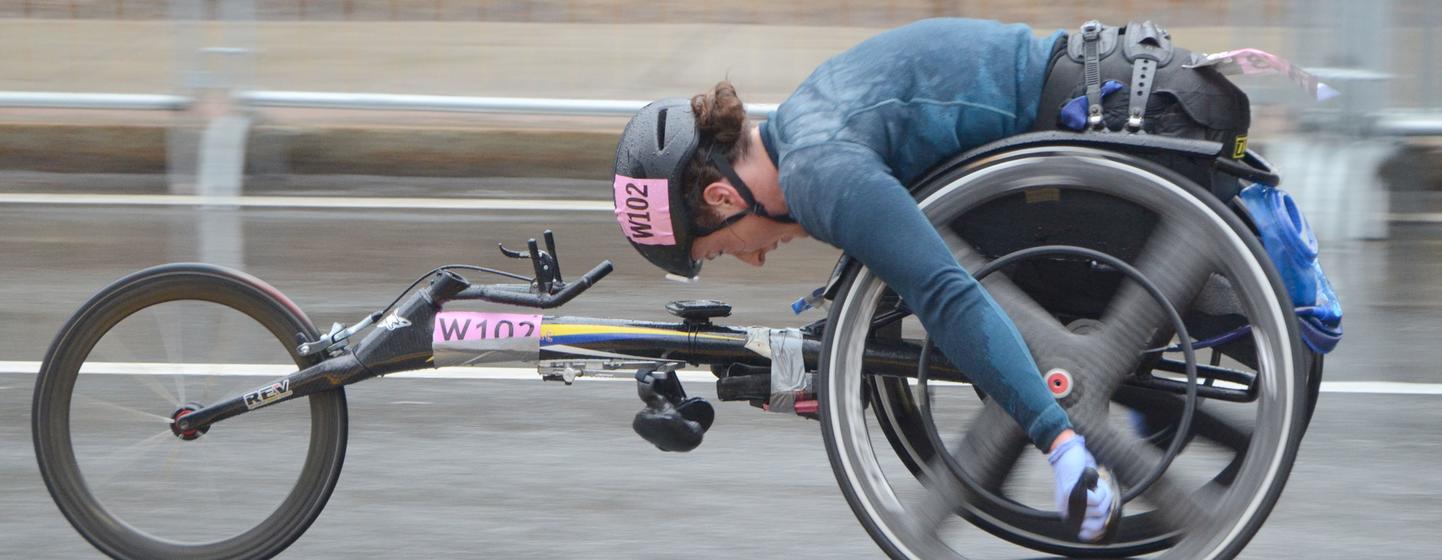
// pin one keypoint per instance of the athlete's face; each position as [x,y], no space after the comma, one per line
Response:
[749,239]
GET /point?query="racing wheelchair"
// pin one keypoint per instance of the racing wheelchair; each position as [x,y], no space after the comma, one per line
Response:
[1119,257]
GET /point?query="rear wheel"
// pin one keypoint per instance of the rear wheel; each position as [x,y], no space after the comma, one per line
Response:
[149,348]
[1077,318]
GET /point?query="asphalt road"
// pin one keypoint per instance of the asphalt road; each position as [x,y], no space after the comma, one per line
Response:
[521,469]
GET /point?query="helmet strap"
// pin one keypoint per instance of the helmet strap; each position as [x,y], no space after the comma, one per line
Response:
[753,207]
[703,231]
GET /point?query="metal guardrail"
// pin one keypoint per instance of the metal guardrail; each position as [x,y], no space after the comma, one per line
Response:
[403,102]
[123,101]
[222,155]
[1390,123]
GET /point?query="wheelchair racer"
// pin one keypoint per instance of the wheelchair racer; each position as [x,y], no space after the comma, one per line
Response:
[696,180]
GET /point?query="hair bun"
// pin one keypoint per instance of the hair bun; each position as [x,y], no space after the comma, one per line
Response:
[720,113]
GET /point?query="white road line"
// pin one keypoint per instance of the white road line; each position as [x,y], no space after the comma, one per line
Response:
[1416,217]
[306,202]
[529,374]
[1382,387]
[276,370]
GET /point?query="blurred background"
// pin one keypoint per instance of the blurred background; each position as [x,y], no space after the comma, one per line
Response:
[372,138]
[193,62]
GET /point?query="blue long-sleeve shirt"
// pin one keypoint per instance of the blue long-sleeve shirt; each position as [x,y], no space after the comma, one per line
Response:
[913,96]
[878,116]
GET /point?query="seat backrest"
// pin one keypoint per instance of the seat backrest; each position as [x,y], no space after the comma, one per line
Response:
[1195,159]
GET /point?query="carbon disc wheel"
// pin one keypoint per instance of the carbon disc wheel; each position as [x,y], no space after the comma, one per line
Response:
[152,347]
[1209,502]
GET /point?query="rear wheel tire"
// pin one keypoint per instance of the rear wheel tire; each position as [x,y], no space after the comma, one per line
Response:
[1194,237]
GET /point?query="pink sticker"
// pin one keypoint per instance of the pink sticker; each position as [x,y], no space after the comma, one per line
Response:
[469,325]
[643,207]
[1256,61]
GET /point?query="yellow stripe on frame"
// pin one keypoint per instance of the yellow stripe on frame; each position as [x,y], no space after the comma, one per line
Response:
[564,329]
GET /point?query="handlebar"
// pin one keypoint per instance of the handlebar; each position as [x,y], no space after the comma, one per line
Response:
[511,296]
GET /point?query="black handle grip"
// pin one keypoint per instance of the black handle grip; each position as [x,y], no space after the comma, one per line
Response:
[508,295]
[575,288]
[596,274]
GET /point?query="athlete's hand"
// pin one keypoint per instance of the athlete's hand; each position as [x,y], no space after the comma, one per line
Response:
[1070,461]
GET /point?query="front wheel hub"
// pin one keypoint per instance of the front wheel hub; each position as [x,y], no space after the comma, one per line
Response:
[192,433]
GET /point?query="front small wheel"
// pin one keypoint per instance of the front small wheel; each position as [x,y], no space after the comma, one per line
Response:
[152,347]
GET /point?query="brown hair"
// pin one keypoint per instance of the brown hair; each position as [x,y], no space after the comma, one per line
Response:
[721,121]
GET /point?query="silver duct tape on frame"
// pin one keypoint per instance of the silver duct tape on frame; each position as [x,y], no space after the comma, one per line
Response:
[486,351]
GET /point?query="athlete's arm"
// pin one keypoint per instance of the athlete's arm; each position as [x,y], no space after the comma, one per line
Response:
[844,194]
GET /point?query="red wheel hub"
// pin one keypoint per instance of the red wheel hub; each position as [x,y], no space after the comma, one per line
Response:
[192,433]
[1059,382]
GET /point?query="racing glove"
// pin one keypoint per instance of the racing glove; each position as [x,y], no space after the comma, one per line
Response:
[1094,509]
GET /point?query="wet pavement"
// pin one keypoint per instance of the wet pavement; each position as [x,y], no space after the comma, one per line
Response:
[532,470]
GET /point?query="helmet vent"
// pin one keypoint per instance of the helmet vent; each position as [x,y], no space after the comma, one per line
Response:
[661,130]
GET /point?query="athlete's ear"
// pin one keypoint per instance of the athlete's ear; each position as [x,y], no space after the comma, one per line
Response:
[722,197]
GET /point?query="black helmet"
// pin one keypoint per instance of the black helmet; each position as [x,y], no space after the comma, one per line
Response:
[653,153]
[651,159]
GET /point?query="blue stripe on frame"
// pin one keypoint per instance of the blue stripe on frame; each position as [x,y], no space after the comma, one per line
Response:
[593,338]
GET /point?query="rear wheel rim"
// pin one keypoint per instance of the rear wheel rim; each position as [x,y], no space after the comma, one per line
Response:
[1269,453]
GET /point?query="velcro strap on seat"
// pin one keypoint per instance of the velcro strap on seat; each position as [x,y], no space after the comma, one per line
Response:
[1144,73]
[1148,47]
[1092,74]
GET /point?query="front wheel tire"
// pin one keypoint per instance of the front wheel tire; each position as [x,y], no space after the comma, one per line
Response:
[140,352]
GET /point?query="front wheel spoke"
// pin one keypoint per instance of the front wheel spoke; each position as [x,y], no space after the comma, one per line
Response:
[167,466]
[180,390]
[159,389]
[210,459]
[92,401]
[117,462]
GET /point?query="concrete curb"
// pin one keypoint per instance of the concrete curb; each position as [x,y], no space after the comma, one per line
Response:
[75,148]
[431,152]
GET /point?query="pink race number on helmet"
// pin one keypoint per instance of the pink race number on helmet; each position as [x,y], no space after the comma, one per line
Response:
[643,208]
